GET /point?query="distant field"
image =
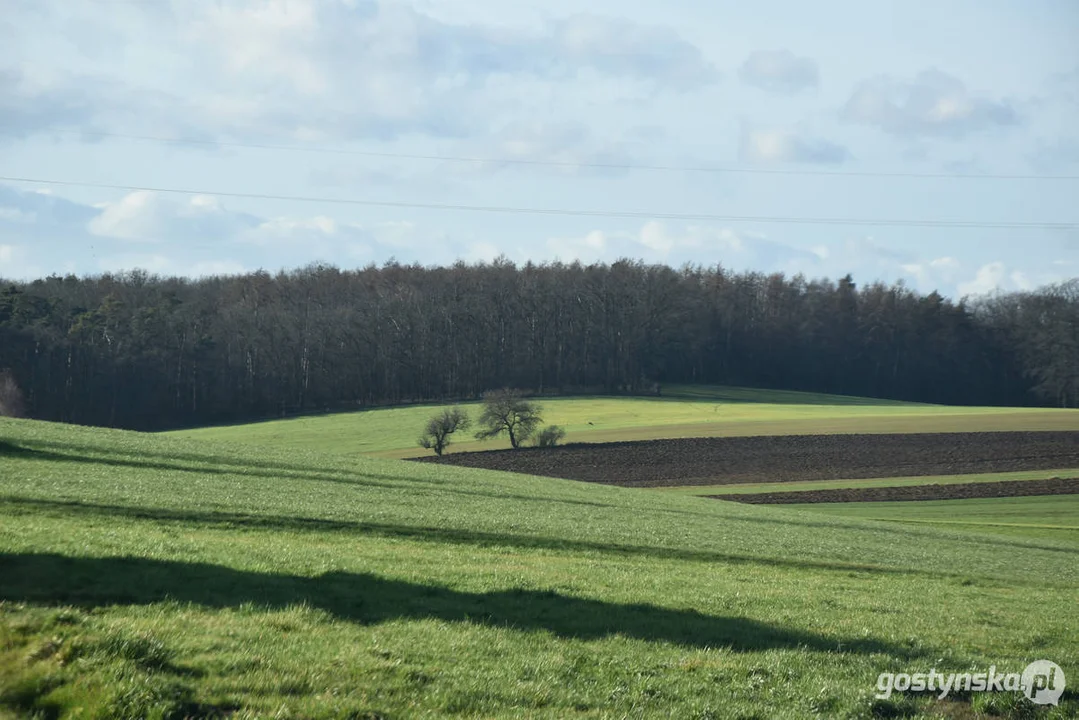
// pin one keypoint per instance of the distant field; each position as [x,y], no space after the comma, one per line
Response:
[782,459]
[747,488]
[1055,518]
[681,412]
[150,576]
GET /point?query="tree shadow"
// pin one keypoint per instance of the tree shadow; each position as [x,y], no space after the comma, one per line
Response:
[450,536]
[204,465]
[757,396]
[9,449]
[369,599]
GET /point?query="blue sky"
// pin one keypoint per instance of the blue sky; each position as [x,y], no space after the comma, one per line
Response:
[857,102]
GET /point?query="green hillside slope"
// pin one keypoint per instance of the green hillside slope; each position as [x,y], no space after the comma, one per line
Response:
[682,411]
[148,576]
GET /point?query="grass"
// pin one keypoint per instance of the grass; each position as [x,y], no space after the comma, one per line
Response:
[150,576]
[801,485]
[1052,517]
[682,411]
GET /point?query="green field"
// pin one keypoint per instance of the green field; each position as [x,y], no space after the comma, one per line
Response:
[684,411]
[755,488]
[1054,517]
[152,576]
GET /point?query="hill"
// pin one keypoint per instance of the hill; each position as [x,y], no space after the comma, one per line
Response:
[681,412]
[151,576]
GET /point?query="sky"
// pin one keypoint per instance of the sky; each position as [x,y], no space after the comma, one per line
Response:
[931,143]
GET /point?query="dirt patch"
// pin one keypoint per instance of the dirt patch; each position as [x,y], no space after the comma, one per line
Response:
[786,458]
[963,491]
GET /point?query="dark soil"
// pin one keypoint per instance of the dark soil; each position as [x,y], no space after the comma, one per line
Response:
[786,458]
[1007,488]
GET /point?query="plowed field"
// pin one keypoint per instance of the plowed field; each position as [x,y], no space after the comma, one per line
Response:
[718,461]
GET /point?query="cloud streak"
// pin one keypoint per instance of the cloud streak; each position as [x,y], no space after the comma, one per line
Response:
[335,69]
[779,71]
[933,104]
[766,145]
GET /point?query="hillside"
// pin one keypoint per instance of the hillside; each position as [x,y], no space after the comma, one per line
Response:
[681,412]
[146,575]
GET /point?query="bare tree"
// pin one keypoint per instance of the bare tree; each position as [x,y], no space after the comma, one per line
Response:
[436,434]
[506,411]
[11,403]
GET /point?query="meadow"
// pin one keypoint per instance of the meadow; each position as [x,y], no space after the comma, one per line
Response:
[680,412]
[162,577]
[1053,517]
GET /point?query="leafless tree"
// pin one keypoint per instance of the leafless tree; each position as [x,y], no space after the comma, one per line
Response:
[436,434]
[507,411]
[11,402]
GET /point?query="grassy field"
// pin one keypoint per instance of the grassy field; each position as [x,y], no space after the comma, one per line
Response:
[753,488]
[151,576]
[685,411]
[1054,517]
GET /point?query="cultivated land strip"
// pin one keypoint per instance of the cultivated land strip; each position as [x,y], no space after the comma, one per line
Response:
[748,488]
[954,491]
[715,461]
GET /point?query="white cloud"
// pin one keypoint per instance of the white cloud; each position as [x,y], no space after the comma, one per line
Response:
[199,236]
[15,263]
[326,70]
[764,145]
[939,273]
[143,216]
[291,230]
[779,71]
[167,265]
[153,263]
[619,47]
[657,242]
[31,104]
[934,103]
[570,146]
[298,240]
[989,277]
[1020,281]
[997,276]
[15,215]
[592,247]
[135,217]
[482,252]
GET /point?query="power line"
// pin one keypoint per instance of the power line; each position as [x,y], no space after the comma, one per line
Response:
[571,164]
[566,212]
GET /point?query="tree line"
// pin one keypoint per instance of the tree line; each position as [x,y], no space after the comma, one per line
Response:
[139,351]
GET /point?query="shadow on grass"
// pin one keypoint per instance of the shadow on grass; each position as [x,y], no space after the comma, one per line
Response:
[450,536]
[755,396]
[202,464]
[208,465]
[369,599]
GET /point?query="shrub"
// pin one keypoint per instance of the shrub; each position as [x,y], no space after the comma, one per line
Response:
[550,436]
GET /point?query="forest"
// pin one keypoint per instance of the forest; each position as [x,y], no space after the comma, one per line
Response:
[138,351]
